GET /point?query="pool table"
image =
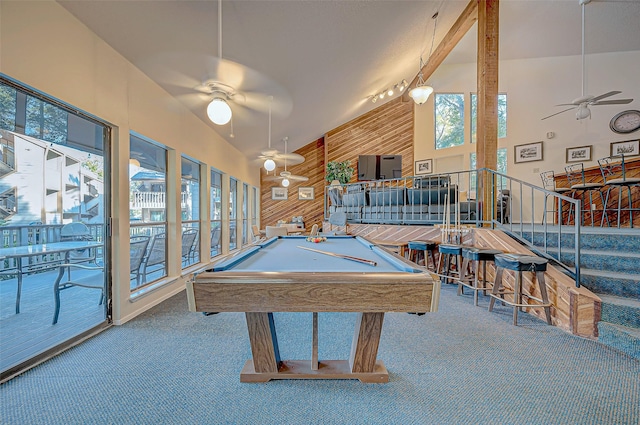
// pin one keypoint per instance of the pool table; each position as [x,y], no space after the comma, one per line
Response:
[279,275]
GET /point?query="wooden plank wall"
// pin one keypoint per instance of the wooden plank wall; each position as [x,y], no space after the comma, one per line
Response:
[594,175]
[386,130]
[576,310]
[312,211]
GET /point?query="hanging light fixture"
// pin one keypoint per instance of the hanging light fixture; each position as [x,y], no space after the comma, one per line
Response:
[219,111]
[270,164]
[421,92]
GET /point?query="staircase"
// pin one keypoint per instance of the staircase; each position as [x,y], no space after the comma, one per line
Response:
[610,268]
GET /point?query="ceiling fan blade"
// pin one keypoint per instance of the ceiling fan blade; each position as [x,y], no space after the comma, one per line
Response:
[602,96]
[613,102]
[552,115]
[298,178]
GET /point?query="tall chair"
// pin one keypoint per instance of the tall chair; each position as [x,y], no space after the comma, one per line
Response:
[580,187]
[549,183]
[614,176]
[314,230]
[338,218]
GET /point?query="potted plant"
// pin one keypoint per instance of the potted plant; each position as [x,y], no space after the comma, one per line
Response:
[341,171]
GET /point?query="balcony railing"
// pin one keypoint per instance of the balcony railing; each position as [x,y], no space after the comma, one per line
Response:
[154,200]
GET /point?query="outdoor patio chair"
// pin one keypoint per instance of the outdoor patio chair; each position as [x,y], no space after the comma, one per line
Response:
[137,250]
[189,240]
[215,241]
[156,256]
[77,231]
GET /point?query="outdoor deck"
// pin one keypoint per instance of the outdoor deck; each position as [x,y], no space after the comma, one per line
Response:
[30,332]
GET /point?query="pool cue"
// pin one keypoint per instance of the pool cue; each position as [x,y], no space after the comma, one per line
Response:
[346,257]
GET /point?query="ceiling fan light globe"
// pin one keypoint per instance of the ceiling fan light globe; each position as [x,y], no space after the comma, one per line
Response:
[285,182]
[420,94]
[219,111]
[582,113]
[269,165]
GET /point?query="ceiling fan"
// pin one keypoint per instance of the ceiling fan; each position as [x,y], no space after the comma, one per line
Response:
[582,103]
[214,83]
[285,175]
[272,156]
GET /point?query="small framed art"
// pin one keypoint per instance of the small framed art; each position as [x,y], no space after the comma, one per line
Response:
[579,154]
[279,193]
[424,166]
[528,153]
[626,148]
[305,194]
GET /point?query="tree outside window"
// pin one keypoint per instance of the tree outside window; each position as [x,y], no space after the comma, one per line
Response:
[502,116]
[502,167]
[449,120]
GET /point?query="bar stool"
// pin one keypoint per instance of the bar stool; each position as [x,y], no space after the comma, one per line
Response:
[448,254]
[520,263]
[424,249]
[575,174]
[480,256]
[549,183]
[614,175]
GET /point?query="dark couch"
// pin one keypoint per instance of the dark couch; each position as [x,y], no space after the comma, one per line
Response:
[422,204]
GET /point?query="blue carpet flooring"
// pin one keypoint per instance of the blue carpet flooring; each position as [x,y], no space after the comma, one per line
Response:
[462,365]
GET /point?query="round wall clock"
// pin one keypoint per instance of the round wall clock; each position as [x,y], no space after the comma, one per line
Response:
[625,122]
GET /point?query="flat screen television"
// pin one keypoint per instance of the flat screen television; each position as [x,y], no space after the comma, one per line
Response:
[379,167]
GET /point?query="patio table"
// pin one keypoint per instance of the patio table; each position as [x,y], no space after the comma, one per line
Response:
[25,251]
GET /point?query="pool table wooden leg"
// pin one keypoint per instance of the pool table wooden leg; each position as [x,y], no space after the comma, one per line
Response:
[366,339]
[264,342]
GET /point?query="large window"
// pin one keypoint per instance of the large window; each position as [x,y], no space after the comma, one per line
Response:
[190,211]
[502,116]
[449,120]
[8,107]
[245,213]
[147,210]
[233,213]
[502,167]
[215,208]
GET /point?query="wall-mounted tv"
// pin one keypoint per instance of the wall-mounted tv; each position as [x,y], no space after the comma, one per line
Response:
[379,167]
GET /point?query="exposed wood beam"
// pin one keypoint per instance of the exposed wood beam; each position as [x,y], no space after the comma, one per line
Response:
[465,21]
[487,108]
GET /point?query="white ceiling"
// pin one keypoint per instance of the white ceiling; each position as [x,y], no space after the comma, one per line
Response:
[321,60]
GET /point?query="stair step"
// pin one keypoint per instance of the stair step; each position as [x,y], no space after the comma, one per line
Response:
[611,283]
[623,262]
[620,311]
[621,338]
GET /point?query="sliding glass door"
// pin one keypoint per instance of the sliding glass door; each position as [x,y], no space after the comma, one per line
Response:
[53,242]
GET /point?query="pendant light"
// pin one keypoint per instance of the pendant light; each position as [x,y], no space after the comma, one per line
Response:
[421,92]
[269,163]
[219,111]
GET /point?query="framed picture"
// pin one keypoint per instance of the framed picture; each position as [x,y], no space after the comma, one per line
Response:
[305,194]
[579,154]
[628,148]
[528,153]
[279,193]
[424,166]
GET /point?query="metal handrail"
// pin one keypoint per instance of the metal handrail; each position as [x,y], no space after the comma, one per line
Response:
[396,201]
[519,230]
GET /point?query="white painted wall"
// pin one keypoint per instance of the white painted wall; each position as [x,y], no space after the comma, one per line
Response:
[533,87]
[45,47]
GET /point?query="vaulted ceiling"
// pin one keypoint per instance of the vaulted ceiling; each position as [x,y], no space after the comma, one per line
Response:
[322,60]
